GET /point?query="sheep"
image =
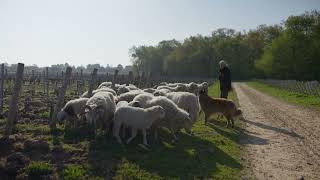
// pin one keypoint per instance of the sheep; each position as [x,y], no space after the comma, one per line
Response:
[129,96]
[187,101]
[136,118]
[149,90]
[122,89]
[203,87]
[105,84]
[175,118]
[125,103]
[132,87]
[102,89]
[161,92]
[219,106]
[143,98]
[193,88]
[121,104]
[71,110]
[100,109]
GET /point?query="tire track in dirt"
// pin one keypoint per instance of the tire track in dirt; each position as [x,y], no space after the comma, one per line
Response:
[282,140]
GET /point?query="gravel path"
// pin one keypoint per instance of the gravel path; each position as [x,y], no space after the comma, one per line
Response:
[282,140]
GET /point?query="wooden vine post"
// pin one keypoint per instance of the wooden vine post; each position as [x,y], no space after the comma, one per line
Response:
[1,88]
[14,101]
[60,100]
[92,83]
[114,81]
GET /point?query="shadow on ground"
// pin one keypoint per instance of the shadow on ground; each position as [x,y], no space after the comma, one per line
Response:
[279,130]
[190,157]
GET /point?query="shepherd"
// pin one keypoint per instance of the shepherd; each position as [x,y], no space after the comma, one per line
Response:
[225,79]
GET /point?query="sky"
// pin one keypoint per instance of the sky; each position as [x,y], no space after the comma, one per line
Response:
[81,32]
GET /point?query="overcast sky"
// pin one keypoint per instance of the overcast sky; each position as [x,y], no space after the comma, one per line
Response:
[80,32]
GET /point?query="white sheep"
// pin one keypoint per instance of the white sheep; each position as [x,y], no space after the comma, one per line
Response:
[149,90]
[175,118]
[193,88]
[72,110]
[187,101]
[143,98]
[129,96]
[132,87]
[137,119]
[102,89]
[105,84]
[100,109]
[203,87]
[161,92]
[125,103]
[122,89]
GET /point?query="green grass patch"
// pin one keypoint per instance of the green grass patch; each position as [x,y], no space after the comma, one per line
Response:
[37,169]
[74,172]
[33,128]
[295,98]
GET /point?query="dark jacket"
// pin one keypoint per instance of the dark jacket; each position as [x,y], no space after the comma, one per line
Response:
[225,79]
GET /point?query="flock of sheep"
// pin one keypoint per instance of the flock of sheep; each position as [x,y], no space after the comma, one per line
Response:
[119,108]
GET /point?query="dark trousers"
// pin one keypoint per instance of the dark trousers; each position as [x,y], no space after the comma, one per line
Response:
[224,93]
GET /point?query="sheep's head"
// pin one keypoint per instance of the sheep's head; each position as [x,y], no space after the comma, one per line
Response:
[134,104]
[186,120]
[159,111]
[93,114]
[157,93]
[61,115]
[203,87]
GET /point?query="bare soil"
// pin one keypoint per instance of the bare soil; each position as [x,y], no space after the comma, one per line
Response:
[282,140]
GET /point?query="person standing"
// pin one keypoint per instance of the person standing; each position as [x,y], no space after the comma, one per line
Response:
[225,79]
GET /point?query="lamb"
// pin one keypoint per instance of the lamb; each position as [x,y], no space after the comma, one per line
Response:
[129,96]
[187,101]
[136,118]
[104,89]
[72,110]
[175,118]
[219,106]
[100,109]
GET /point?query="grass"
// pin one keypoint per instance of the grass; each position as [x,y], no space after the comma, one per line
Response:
[213,152]
[37,169]
[73,172]
[295,98]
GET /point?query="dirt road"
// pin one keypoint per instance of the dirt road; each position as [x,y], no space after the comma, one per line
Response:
[282,140]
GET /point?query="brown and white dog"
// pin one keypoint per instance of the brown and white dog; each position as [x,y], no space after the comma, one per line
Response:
[222,106]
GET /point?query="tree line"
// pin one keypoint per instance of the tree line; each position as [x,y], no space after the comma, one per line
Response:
[290,50]
[58,68]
